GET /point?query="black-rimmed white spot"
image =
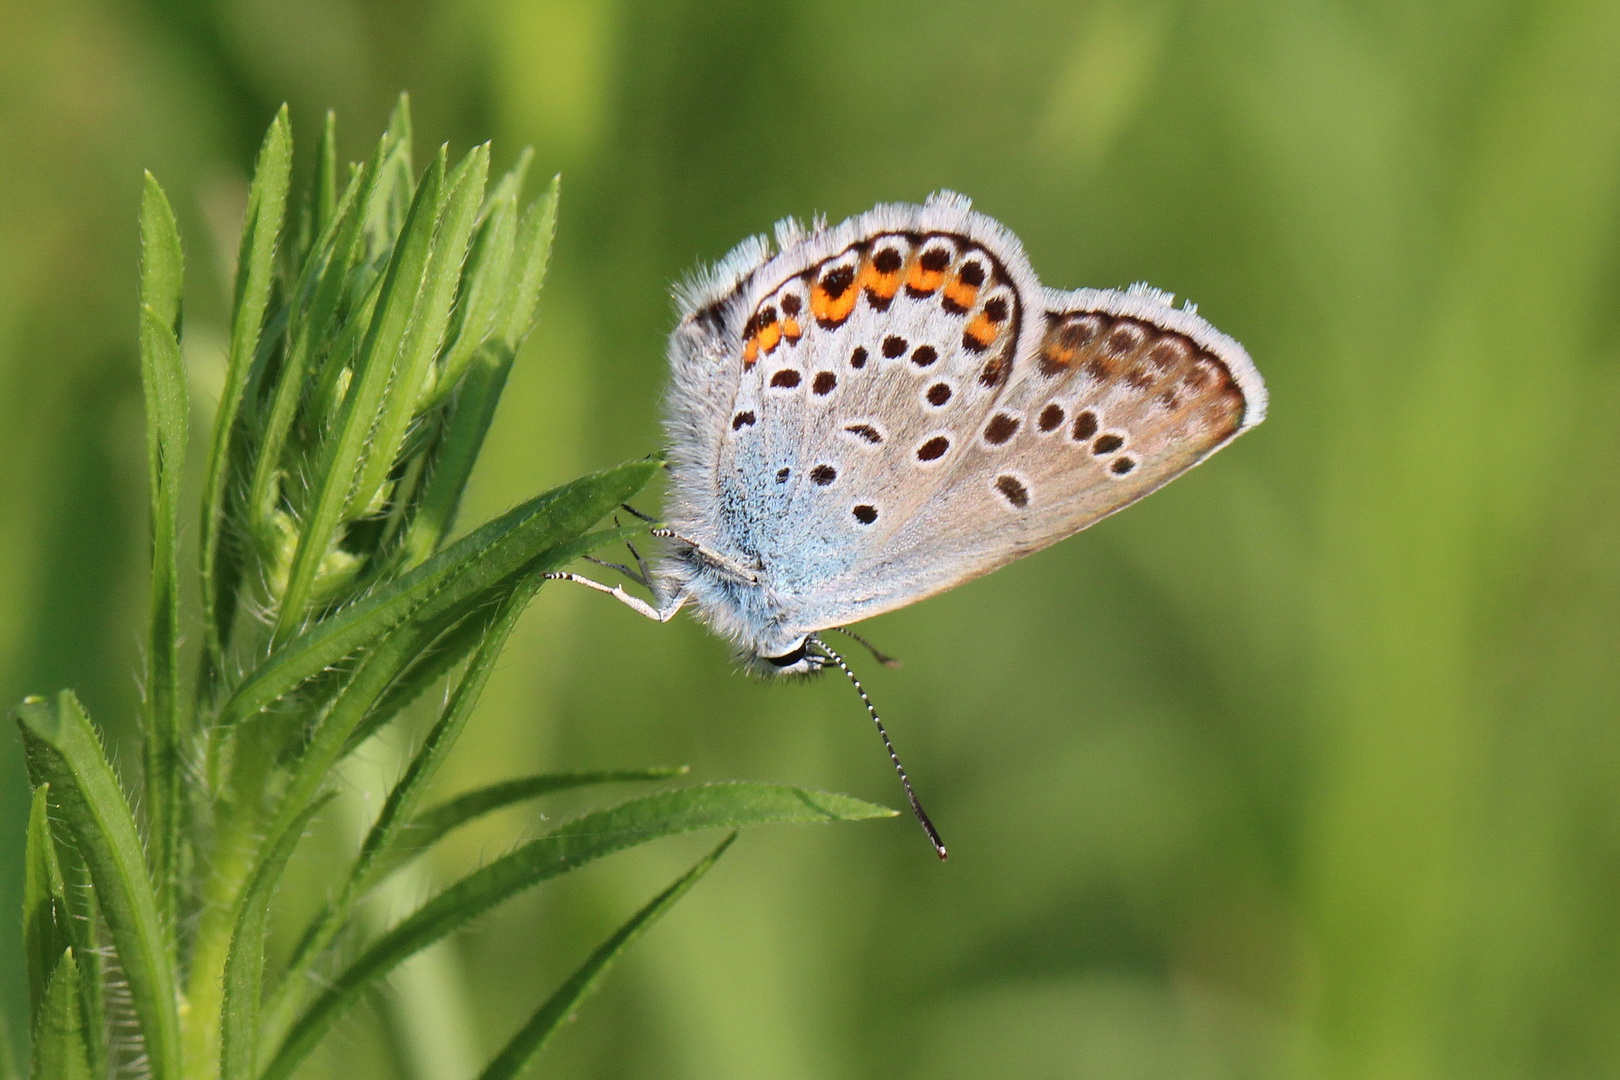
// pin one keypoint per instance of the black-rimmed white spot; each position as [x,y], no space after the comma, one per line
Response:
[938,395]
[924,356]
[822,475]
[782,474]
[893,346]
[1085,425]
[865,432]
[865,513]
[1107,444]
[933,449]
[1121,466]
[857,359]
[743,419]
[824,383]
[1051,417]
[786,379]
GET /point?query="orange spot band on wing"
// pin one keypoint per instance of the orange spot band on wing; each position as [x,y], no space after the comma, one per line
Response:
[879,284]
[981,330]
[751,353]
[921,281]
[832,310]
[960,296]
[770,336]
[791,330]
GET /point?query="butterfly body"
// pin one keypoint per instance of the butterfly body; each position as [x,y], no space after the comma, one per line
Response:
[885,409]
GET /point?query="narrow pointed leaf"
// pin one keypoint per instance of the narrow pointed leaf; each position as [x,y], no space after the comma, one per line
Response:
[267,207]
[469,417]
[60,1039]
[576,843]
[325,189]
[45,911]
[313,322]
[62,750]
[374,369]
[457,577]
[433,824]
[533,253]
[533,1036]
[163,380]
[429,319]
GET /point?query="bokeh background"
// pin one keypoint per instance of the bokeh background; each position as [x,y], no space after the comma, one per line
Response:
[1308,766]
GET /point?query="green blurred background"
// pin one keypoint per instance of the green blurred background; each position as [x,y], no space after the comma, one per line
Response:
[1309,766]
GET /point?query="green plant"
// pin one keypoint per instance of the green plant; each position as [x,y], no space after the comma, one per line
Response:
[368,349]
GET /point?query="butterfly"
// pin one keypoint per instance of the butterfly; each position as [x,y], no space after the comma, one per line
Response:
[882,410]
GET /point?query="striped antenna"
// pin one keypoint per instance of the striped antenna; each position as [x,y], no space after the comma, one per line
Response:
[905,781]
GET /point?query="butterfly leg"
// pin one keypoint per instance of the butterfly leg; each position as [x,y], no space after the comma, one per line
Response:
[709,555]
[641,575]
[664,612]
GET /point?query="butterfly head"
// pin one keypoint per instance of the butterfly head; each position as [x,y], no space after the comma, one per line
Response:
[800,658]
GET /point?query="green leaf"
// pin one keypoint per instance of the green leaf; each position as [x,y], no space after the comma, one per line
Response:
[429,319]
[163,379]
[314,319]
[540,534]
[484,294]
[45,909]
[467,421]
[62,750]
[533,253]
[60,1036]
[533,1036]
[434,824]
[267,205]
[325,188]
[83,925]
[374,368]
[567,848]
[244,964]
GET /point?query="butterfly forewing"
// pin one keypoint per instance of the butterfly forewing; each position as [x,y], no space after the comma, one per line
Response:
[861,363]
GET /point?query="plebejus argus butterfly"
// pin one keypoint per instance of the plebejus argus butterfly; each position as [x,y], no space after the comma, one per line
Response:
[888,408]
